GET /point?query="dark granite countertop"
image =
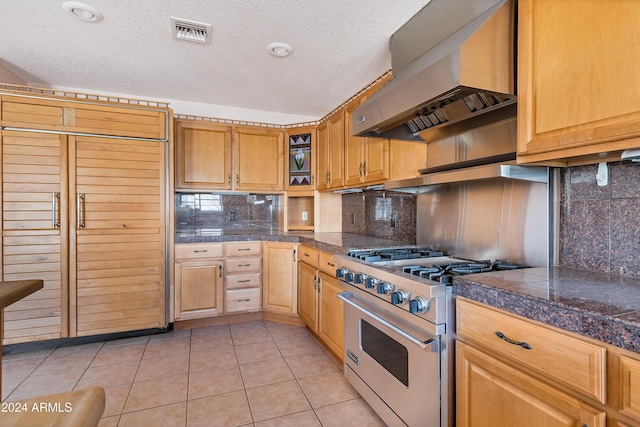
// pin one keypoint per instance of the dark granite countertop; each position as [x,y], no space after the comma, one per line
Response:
[336,243]
[599,306]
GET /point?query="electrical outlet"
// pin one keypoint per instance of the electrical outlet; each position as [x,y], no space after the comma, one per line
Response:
[305,216]
[394,219]
[232,216]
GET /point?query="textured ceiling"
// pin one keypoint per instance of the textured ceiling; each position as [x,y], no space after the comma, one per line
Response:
[338,48]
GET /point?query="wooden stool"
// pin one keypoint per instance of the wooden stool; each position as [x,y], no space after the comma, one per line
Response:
[80,408]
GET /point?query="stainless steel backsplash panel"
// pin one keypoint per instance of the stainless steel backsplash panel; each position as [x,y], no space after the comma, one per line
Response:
[492,219]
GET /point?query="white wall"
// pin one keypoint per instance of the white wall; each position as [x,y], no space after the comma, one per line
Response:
[209,110]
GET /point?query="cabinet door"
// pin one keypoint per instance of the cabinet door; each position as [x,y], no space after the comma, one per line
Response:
[198,289]
[375,166]
[331,314]
[353,149]
[308,295]
[92,118]
[117,235]
[577,81]
[34,230]
[203,156]
[259,159]
[491,393]
[301,153]
[406,158]
[280,284]
[336,150]
[322,173]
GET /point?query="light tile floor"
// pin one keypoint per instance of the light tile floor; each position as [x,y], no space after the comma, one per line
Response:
[259,374]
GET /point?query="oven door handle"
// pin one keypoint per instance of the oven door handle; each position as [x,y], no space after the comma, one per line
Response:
[431,345]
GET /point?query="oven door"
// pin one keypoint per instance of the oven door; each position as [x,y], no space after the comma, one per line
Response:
[394,364]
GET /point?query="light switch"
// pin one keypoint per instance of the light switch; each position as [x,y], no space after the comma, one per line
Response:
[305,216]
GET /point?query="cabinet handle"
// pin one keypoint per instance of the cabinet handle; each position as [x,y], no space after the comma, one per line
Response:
[80,211]
[312,180]
[319,280]
[514,342]
[360,169]
[306,254]
[220,270]
[237,179]
[244,265]
[294,255]
[243,249]
[204,250]
[55,210]
[315,286]
[244,281]
[330,264]
[364,168]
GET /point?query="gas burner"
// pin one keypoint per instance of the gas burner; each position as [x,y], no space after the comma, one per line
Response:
[388,254]
[506,265]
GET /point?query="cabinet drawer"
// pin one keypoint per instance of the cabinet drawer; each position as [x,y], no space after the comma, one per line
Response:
[241,281]
[242,300]
[242,249]
[69,116]
[242,265]
[198,250]
[325,263]
[569,360]
[630,386]
[309,255]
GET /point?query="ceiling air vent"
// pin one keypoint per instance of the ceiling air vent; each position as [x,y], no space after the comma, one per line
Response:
[183,29]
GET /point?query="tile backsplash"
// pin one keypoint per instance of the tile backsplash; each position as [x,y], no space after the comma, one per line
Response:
[383,214]
[226,213]
[599,227]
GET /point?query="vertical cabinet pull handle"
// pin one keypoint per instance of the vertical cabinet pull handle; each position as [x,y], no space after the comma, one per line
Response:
[229,180]
[55,210]
[237,179]
[80,209]
[364,168]
[220,270]
[360,169]
[294,255]
[315,279]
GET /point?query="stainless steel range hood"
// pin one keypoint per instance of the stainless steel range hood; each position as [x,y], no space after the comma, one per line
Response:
[454,69]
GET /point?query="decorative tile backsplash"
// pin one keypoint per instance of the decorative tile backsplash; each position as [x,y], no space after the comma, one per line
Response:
[383,214]
[599,227]
[225,213]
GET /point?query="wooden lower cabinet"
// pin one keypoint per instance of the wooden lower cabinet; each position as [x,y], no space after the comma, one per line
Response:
[308,295]
[330,313]
[492,393]
[280,285]
[198,288]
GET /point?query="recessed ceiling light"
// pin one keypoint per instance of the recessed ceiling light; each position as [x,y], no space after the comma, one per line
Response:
[279,49]
[82,11]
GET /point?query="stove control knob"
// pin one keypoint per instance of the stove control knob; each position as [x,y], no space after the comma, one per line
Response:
[371,282]
[399,297]
[341,272]
[359,278]
[348,276]
[385,288]
[419,306]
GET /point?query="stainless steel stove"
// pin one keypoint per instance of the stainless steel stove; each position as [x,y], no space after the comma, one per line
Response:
[399,330]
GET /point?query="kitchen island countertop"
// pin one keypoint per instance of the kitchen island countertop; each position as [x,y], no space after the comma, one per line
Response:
[596,305]
[335,243]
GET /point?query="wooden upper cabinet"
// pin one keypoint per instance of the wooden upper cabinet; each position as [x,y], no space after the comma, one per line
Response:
[406,158]
[366,159]
[258,159]
[92,118]
[301,154]
[322,162]
[578,86]
[203,156]
[211,156]
[331,152]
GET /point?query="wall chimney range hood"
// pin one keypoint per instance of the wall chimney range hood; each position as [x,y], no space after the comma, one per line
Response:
[453,66]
